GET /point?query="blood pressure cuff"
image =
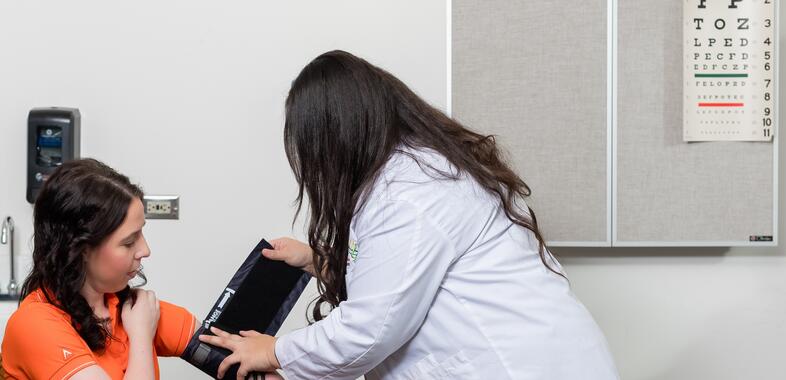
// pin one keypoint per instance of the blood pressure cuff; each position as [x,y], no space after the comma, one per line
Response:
[259,297]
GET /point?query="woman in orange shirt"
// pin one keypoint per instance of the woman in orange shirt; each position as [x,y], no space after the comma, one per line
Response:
[79,319]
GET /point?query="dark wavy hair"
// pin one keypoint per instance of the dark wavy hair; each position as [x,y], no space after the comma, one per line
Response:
[79,206]
[344,119]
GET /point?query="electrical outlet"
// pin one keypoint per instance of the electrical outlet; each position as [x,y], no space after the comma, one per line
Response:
[159,207]
[162,206]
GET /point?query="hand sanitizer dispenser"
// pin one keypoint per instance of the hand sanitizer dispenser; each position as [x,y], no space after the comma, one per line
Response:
[52,138]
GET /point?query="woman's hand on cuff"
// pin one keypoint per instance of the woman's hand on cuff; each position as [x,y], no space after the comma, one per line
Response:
[255,352]
[293,252]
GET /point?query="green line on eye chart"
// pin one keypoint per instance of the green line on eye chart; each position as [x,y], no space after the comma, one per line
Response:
[721,75]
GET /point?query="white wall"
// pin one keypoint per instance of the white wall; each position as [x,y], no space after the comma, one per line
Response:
[186,97]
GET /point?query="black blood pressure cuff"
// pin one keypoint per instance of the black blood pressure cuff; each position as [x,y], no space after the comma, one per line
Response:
[259,297]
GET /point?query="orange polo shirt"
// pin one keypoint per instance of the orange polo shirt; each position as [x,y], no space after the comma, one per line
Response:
[39,342]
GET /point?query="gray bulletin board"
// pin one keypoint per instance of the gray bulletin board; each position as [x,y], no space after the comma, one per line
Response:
[522,72]
[669,192]
[586,98]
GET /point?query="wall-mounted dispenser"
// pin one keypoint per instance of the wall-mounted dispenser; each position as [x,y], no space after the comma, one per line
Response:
[52,138]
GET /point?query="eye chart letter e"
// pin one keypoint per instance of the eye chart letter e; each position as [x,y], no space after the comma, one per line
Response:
[729,70]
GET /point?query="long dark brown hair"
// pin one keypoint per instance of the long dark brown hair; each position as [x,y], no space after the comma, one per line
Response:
[344,119]
[79,206]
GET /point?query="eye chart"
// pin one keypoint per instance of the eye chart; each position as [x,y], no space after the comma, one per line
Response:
[729,70]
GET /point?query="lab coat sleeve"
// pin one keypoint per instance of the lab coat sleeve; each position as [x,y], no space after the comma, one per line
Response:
[402,258]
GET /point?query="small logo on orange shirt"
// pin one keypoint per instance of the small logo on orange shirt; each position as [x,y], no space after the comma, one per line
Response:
[66,354]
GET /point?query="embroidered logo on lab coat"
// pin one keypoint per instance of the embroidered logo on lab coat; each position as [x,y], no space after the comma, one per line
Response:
[352,254]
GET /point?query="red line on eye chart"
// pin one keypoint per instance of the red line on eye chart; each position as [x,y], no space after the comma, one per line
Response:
[721,104]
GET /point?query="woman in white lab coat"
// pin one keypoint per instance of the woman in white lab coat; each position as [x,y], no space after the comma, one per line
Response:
[423,248]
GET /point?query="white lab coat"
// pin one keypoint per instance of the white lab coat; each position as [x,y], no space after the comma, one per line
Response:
[442,285]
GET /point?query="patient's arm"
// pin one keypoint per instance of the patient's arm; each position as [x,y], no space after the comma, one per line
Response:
[92,372]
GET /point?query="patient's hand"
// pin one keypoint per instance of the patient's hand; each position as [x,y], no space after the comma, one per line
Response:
[292,252]
[141,320]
